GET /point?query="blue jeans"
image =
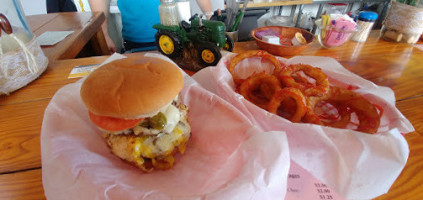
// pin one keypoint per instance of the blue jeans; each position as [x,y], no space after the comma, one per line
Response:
[131,47]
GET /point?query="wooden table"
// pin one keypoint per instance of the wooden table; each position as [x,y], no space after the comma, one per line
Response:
[86,27]
[398,66]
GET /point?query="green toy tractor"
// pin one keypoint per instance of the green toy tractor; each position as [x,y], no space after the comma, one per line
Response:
[207,36]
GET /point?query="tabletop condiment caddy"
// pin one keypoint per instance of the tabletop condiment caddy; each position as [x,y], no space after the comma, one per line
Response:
[403,23]
[335,29]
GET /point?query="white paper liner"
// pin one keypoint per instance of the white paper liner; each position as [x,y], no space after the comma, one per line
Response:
[355,164]
[227,156]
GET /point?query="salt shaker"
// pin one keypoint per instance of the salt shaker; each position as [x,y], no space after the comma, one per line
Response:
[365,22]
[168,13]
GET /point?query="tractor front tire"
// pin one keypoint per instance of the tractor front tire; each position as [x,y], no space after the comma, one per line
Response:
[229,44]
[169,43]
[209,54]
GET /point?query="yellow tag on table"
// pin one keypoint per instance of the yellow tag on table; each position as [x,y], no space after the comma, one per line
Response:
[83,70]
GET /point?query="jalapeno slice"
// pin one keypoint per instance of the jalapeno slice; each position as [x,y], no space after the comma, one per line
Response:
[158,121]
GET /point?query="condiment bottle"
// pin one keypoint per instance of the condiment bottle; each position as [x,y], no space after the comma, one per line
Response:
[365,22]
[168,13]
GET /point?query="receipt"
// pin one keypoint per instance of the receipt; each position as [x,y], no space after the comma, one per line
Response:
[303,185]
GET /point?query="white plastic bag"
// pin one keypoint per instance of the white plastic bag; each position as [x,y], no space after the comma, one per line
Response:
[21,58]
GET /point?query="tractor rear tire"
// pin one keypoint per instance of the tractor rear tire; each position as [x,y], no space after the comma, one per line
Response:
[209,54]
[229,44]
[169,43]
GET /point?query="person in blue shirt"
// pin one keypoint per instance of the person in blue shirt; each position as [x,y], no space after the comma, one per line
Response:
[138,18]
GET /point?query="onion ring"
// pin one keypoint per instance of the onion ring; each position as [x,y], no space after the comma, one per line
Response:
[367,113]
[339,120]
[284,94]
[253,53]
[259,88]
[311,117]
[289,78]
[301,93]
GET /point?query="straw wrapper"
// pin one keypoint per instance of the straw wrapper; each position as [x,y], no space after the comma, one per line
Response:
[227,157]
[356,165]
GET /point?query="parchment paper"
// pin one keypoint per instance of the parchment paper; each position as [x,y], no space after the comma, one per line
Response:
[355,164]
[227,157]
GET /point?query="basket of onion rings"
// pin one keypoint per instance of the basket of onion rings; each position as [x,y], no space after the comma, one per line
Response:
[343,129]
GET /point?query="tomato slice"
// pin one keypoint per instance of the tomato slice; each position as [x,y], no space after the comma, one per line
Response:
[112,123]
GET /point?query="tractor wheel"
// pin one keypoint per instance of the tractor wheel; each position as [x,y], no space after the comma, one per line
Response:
[229,45]
[169,44]
[209,54]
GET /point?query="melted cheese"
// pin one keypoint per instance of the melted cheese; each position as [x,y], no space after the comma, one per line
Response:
[162,109]
[172,117]
[163,144]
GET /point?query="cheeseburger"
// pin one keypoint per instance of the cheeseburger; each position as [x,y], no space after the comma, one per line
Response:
[135,103]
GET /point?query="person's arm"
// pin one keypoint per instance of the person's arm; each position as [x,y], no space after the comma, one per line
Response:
[206,7]
[103,6]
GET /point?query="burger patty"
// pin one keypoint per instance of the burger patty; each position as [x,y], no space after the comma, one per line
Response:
[148,151]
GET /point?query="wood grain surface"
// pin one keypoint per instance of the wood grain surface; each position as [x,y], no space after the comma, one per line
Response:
[86,27]
[398,66]
[23,185]
[20,135]
[409,184]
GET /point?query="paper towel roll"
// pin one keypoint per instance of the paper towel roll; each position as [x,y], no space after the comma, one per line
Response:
[184,10]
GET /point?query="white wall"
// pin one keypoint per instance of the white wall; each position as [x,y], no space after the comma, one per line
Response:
[8,9]
[34,7]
